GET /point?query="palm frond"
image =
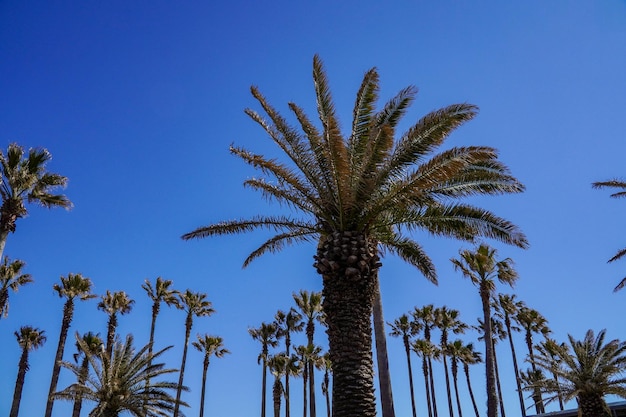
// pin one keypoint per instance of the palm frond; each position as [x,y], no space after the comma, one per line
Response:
[618,255]
[278,242]
[614,183]
[412,253]
[275,223]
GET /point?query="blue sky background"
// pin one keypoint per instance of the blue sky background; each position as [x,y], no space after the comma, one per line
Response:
[139,101]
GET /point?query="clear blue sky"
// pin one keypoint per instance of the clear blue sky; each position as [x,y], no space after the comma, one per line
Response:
[139,101]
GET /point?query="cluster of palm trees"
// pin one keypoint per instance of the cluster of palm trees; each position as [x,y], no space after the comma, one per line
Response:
[307,357]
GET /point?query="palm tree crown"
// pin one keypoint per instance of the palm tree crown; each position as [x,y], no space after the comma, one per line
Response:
[25,179]
[361,193]
[11,278]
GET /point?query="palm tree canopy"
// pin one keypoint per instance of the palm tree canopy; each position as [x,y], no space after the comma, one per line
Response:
[24,178]
[370,182]
[162,292]
[586,367]
[74,285]
[210,345]
[30,338]
[196,304]
[126,381]
[266,334]
[116,302]
[482,268]
[11,278]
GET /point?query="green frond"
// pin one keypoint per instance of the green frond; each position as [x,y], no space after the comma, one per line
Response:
[362,115]
[412,253]
[278,242]
[275,223]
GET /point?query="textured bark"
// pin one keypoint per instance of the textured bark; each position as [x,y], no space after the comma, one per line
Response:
[205,367]
[4,234]
[111,327]
[277,392]
[520,394]
[4,298]
[84,372]
[19,383]
[592,406]
[382,359]
[347,262]
[188,325]
[492,397]
[68,314]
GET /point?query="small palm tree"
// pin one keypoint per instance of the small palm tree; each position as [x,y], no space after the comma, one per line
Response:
[160,293]
[427,351]
[119,383]
[587,370]
[11,278]
[72,287]
[266,334]
[277,365]
[447,320]
[195,304]
[112,304]
[94,345]
[401,327]
[25,179]
[549,349]
[286,324]
[482,268]
[424,318]
[210,346]
[455,350]
[327,366]
[29,338]
[308,355]
[621,187]
[470,357]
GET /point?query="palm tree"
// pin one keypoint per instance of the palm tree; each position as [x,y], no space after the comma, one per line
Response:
[533,380]
[621,187]
[424,319]
[531,322]
[72,287]
[308,355]
[112,304]
[29,338]
[310,306]
[266,334]
[210,346]
[498,334]
[448,320]
[587,370]
[456,350]
[160,293]
[119,383]
[195,304]
[327,366]
[286,324]
[482,268]
[427,350]
[358,195]
[506,309]
[25,179]
[11,278]
[549,349]
[469,357]
[94,345]
[401,327]
[277,365]
[382,357]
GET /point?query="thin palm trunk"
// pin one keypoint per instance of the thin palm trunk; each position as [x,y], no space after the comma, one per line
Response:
[205,367]
[287,399]
[84,372]
[4,298]
[469,388]
[407,350]
[310,330]
[492,397]
[4,234]
[305,379]
[68,314]
[188,325]
[111,327]
[507,322]
[432,386]
[426,384]
[382,359]
[327,392]
[455,374]
[536,391]
[498,386]
[19,383]
[445,370]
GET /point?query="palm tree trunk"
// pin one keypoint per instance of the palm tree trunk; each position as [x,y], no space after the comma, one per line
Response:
[277,392]
[19,383]
[305,380]
[84,371]
[205,367]
[492,397]
[347,262]
[559,395]
[4,234]
[382,359]
[188,325]
[455,374]
[4,298]
[498,386]
[448,391]
[592,406]
[536,392]
[428,399]
[68,314]
[327,392]
[507,322]
[287,399]
[432,386]
[111,327]
[469,388]
[407,349]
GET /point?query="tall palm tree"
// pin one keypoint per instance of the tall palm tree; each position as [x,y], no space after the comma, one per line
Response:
[160,293]
[119,382]
[532,322]
[382,357]
[310,305]
[11,278]
[533,380]
[327,366]
[427,351]
[195,304]
[620,185]
[286,324]
[506,309]
[72,287]
[482,268]
[114,303]
[266,334]
[455,350]
[498,334]
[210,346]
[25,179]
[94,345]
[470,357]
[587,370]
[29,338]
[425,319]
[358,194]
[401,327]
[446,321]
